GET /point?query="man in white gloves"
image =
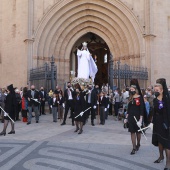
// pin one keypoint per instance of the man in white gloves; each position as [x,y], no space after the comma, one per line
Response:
[102,107]
[91,101]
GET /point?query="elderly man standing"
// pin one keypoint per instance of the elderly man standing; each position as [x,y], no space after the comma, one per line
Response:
[33,97]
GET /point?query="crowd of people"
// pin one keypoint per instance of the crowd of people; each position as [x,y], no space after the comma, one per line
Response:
[137,107]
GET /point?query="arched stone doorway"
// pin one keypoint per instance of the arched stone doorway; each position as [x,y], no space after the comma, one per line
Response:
[68,20]
[100,52]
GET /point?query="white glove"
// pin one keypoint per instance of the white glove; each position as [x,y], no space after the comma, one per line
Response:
[94,107]
[105,109]
[108,106]
[58,102]
[5,114]
[97,102]
[139,124]
[125,121]
[151,126]
[63,105]
[36,100]
[81,114]
[51,106]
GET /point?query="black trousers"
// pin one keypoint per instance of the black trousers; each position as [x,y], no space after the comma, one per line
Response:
[69,105]
[90,111]
[102,115]
[17,110]
[42,106]
[116,108]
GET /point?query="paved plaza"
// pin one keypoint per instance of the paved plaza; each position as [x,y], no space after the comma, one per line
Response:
[50,146]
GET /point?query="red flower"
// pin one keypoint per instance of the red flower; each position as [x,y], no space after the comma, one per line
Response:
[137,101]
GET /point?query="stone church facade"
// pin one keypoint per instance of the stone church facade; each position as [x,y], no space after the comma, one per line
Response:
[137,32]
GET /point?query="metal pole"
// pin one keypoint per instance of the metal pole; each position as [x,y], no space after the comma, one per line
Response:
[111,71]
[52,73]
[118,74]
[45,83]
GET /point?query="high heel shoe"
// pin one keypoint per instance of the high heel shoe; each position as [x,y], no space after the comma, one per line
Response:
[137,147]
[80,132]
[12,132]
[133,151]
[2,133]
[159,160]
[76,130]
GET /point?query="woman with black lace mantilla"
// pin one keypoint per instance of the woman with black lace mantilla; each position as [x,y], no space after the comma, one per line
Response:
[135,109]
[161,121]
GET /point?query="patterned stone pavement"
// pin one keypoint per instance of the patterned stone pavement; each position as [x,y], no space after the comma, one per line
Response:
[49,146]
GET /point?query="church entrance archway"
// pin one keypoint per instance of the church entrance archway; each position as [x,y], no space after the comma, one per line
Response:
[100,53]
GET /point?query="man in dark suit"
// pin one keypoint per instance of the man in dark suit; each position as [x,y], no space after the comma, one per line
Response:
[102,107]
[91,101]
[43,97]
[33,103]
[69,103]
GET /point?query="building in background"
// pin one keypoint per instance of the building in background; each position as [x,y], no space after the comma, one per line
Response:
[135,32]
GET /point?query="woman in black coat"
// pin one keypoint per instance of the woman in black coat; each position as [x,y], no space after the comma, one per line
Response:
[135,109]
[79,106]
[10,106]
[161,121]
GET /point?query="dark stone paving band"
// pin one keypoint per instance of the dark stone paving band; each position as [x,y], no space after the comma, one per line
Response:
[109,156]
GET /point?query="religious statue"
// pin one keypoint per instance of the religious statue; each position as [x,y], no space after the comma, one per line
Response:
[86,65]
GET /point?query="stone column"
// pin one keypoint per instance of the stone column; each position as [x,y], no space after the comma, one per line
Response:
[149,36]
[30,39]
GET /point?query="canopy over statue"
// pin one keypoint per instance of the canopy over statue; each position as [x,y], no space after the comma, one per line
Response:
[86,65]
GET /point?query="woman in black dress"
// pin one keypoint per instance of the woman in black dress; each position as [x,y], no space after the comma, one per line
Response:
[10,105]
[135,108]
[161,121]
[79,106]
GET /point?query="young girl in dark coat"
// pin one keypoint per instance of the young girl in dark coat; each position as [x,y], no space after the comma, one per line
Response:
[79,106]
[136,108]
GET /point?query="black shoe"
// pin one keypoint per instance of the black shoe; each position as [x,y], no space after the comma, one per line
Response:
[70,117]
[54,121]
[133,152]
[159,160]
[2,133]
[77,130]
[28,123]
[72,124]
[37,121]
[63,124]
[137,147]
[12,132]
[92,124]
[166,168]
[80,132]
[43,114]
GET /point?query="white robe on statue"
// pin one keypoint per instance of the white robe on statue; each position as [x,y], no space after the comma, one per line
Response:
[86,65]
